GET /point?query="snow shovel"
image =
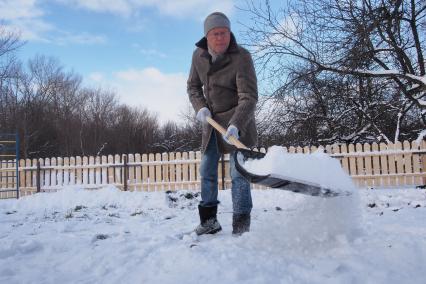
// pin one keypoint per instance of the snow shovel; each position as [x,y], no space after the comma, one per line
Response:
[243,153]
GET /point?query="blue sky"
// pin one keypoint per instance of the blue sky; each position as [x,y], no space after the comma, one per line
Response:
[141,49]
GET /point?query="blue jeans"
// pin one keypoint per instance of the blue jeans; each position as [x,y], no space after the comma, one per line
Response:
[241,194]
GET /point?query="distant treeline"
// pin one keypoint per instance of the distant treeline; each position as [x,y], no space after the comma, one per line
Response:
[56,116]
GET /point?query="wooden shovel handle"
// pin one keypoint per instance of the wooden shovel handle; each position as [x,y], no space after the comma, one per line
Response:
[222,131]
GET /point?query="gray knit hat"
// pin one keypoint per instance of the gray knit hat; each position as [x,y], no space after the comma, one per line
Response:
[216,20]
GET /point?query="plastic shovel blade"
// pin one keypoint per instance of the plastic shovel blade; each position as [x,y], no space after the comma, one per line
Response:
[277,181]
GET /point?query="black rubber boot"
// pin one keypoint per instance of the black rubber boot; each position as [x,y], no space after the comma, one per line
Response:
[208,221]
[240,224]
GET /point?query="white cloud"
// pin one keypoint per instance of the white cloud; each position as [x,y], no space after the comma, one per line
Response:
[17,9]
[199,8]
[31,29]
[96,77]
[161,93]
[149,52]
[181,8]
[82,38]
[25,18]
[122,7]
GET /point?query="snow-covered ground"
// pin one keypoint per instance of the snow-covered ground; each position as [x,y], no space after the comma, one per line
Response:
[110,236]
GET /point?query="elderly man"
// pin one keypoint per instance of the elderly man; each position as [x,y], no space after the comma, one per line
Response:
[222,84]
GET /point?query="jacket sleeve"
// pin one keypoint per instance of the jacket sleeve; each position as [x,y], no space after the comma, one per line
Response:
[247,92]
[194,87]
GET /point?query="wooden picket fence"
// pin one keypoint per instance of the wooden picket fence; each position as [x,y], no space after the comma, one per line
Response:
[369,165]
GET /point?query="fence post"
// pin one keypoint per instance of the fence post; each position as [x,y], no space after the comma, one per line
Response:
[38,176]
[423,155]
[17,149]
[125,172]
[222,162]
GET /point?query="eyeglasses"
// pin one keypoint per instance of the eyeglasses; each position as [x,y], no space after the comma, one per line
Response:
[218,34]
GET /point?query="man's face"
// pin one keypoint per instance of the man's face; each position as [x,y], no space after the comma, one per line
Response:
[218,39]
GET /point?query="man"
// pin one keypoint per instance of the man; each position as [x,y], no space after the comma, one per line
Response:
[222,84]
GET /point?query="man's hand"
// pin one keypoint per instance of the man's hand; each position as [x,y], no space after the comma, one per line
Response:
[231,131]
[202,115]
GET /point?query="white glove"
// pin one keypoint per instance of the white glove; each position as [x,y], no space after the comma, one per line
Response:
[231,131]
[202,115]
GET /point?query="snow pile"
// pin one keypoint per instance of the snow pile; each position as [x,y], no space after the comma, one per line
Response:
[321,220]
[317,168]
[322,217]
[71,196]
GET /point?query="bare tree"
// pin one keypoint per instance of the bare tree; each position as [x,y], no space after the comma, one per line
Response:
[134,130]
[9,44]
[190,130]
[49,101]
[10,72]
[314,111]
[97,115]
[178,138]
[380,39]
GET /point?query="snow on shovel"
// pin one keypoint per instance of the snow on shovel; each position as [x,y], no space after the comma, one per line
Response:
[288,180]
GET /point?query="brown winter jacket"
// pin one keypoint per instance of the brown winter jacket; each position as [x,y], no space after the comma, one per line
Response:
[228,88]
